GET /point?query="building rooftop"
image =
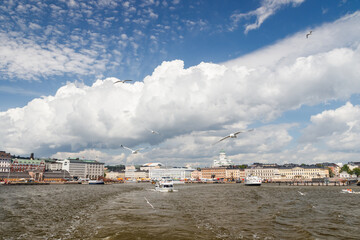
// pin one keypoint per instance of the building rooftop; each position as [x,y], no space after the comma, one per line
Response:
[77,160]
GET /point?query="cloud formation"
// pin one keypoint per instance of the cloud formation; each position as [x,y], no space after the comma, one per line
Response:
[193,107]
[83,38]
[26,59]
[338,130]
[267,9]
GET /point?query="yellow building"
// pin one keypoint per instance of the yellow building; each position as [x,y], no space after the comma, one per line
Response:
[233,174]
[210,173]
[196,174]
[306,173]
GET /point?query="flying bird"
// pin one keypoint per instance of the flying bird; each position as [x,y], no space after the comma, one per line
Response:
[302,194]
[149,203]
[234,135]
[131,150]
[122,81]
[307,35]
[153,131]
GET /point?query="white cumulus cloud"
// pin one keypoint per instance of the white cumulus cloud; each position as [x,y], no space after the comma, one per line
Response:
[338,129]
[193,107]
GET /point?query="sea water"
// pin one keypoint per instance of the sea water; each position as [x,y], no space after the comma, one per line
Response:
[196,211]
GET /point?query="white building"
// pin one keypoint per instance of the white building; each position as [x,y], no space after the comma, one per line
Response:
[223,161]
[174,173]
[345,175]
[84,169]
[115,175]
[131,173]
[281,173]
[353,165]
[5,161]
[52,165]
[265,173]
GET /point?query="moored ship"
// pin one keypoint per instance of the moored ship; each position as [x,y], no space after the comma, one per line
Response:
[252,181]
[96,181]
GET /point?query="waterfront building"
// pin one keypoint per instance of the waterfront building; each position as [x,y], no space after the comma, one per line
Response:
[131,173]
[27,164]
[196,174]
[302,173]
[115,175]
[52,165]
[223,161]
[289,172]
[210,173]
[242,174]
[333,167]
[174,173]
[56,175]
[5,161]
[83,169]
[232,174]
[14,176]
[265,172]
[353,165]
[344,175]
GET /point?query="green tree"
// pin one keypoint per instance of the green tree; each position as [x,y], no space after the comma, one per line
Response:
[331,173]
[243,166]
[356,171]
[345,168]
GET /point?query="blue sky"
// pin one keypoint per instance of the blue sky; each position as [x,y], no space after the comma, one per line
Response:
[202,69]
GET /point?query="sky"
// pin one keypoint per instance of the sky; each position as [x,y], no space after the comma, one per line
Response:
[200,70]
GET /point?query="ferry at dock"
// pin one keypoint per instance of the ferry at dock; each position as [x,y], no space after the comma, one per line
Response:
[96,181]
[252,181]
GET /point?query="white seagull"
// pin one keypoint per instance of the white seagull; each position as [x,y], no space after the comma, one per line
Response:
[153,131]
[122,81]
[307,35]
[234,135]
[149,203]
[132,151]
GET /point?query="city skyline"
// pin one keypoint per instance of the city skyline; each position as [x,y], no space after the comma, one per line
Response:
[200,69]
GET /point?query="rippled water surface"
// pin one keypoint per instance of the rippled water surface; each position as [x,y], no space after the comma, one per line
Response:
[196,211]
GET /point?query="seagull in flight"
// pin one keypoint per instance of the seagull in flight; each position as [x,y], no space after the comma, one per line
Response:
[122,81]
[131,150]
[234,135]
[302,194]
[307,35]
[153,131]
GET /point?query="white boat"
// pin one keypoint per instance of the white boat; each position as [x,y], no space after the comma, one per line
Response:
[349,191]
[96,182]
[165,185]
[252,181]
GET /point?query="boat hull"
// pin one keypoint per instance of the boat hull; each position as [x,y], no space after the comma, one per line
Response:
[93,182]
[163,190]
